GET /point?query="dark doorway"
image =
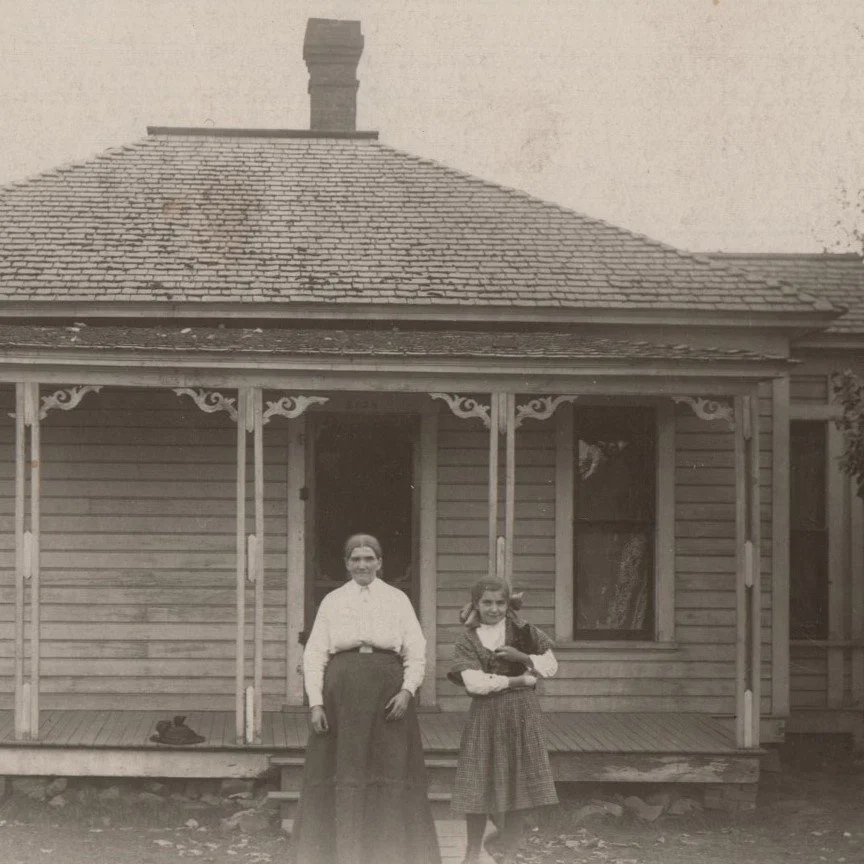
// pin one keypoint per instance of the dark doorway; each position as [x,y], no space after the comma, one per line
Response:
[362,481]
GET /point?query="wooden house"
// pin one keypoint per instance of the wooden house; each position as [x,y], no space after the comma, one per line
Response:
[825,517]
[222,350]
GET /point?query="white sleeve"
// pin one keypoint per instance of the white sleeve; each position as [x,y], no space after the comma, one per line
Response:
[479,683]
[545,665]
[413,649]
[316,656]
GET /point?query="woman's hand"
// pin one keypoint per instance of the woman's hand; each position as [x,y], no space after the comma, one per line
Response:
[514,655]
[395,709]
[319,720]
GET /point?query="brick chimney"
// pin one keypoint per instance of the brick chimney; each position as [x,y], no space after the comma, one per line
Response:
[332,51]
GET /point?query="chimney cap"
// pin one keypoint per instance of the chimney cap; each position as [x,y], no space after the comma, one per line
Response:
[330,36]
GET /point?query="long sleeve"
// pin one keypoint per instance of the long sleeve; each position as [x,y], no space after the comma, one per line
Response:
[545,665]
[316,656]
[413,649]
[479,683]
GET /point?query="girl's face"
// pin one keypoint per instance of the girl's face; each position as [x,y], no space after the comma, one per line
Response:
[492,607]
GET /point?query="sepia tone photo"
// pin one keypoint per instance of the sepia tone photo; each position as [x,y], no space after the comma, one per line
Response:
[431,432]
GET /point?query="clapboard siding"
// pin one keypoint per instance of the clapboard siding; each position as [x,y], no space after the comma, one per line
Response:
[809,389]
[463,465]
[699,674]
[138,555]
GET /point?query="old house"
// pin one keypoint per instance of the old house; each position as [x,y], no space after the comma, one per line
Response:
[225,349]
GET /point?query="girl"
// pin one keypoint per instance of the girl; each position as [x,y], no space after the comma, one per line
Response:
[503,765]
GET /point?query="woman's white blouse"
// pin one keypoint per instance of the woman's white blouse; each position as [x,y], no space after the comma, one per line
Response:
[378,615]
[492,637]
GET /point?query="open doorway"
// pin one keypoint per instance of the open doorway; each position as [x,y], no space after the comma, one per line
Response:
[361,476]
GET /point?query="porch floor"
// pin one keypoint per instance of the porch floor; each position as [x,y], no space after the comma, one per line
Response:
[573,732]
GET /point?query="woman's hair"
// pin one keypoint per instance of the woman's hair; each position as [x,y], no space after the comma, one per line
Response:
[357,540]
[469,615]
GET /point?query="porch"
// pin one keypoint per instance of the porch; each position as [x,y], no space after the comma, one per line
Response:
[583,746]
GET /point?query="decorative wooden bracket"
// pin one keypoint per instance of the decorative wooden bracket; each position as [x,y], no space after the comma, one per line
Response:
[63,400]
[210,401]
[541,408]
[709,409]
[465,407]
[292,406]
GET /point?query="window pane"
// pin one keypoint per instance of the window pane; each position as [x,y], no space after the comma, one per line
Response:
[807,475]
[615,464]
[613,586]
[808,589]
[808,553]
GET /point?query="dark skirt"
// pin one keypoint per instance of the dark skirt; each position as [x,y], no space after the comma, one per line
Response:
[364,797]
[503,761]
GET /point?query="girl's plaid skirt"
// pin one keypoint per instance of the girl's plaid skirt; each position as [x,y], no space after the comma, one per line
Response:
[503,761]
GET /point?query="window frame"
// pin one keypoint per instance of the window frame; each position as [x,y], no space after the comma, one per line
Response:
[664,527]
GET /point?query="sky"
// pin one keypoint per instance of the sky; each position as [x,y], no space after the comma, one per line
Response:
[713,125]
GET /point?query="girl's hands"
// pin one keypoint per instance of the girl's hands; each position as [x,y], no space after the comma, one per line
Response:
[529,681]
[514,655]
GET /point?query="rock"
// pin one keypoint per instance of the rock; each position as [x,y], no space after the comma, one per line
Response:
[85,795]
[247,821]
[193,791]
[659,798]
[233,787]
[597,808]
[58,802]
[150,797]
[212,800]
[109,793]
[56,786]
[680,806]
[642,810]
[155,787]
[32,787]
[191,823]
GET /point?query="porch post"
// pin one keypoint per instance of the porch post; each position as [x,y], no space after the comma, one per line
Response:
[27,557]
[748,654]
[494,420]
[240,585]
[296,588]
[257,560]
[509,404]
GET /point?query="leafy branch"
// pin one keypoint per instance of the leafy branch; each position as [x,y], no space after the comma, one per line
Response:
[848,392]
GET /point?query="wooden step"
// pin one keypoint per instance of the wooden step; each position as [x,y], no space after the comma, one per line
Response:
[287,760]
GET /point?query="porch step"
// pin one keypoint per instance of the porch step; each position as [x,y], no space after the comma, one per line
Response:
[441,772]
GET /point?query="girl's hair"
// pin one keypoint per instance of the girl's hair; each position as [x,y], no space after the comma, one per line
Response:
[357,540]
[469,615]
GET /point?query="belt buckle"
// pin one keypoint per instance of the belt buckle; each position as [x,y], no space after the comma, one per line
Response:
[365,649]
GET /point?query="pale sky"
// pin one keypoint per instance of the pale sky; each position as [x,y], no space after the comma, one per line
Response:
[708,124]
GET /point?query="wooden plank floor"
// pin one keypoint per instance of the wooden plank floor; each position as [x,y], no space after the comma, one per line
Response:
[565,733]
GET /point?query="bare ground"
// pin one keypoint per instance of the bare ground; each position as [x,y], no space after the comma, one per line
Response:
[811,811]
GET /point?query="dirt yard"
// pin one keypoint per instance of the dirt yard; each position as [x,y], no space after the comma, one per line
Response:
[812,810]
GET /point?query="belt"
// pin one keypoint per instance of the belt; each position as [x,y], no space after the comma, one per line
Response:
[367,649]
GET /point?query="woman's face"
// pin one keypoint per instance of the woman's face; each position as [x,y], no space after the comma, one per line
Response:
[363,564]
[492,607]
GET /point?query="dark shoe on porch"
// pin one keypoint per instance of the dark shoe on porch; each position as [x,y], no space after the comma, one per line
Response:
[175,733]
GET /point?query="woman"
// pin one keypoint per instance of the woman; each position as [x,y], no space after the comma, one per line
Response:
[364,797]
[503,767]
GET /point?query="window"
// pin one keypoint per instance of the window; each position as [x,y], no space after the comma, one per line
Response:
[808,553]
[614,522]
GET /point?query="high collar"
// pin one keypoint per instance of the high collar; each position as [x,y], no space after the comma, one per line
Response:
[372,587]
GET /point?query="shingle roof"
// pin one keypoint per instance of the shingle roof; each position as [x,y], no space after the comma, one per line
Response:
[182,217]
[838,278]
[366,342]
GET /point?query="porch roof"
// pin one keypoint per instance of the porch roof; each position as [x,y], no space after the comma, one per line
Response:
[255,217]
[371,343]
